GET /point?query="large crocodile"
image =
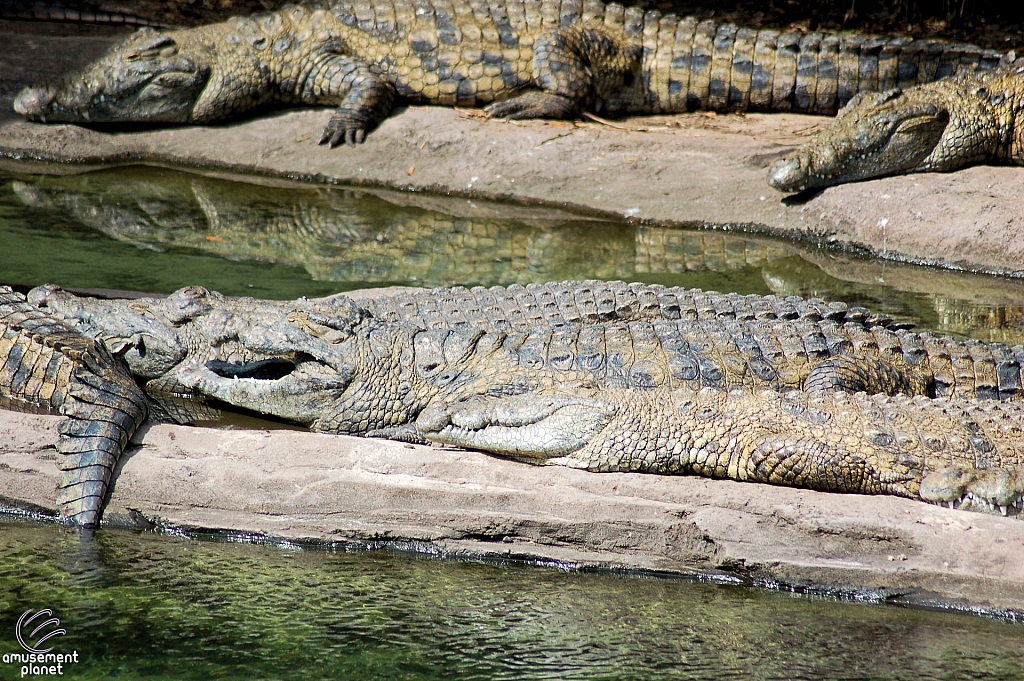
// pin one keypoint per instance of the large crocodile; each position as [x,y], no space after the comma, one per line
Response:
[603,376]
[522,59]
[612,334]
[48,365]
[940,126]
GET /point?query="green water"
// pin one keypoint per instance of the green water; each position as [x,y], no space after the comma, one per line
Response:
[146,606]
[153,607]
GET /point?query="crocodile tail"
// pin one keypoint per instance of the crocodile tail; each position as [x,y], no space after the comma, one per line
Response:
[104,407]
[46,365]
[34,368]
[691,64]
[33,10]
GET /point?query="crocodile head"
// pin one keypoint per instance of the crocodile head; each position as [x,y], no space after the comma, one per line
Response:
[350,380]
[327,364]
[134,329]
[147,78]
[934,127]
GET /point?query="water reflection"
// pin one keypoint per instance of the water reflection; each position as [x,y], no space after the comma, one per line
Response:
[276,240]
[164,607]
[345,235]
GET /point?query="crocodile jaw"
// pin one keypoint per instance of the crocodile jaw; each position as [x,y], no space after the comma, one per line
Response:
[875,135]
[145,79]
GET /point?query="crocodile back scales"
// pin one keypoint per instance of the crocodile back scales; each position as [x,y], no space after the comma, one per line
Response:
[471,53]
[800,330]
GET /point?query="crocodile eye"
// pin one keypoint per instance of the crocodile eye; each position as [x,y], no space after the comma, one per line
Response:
[887,96]
[161,46]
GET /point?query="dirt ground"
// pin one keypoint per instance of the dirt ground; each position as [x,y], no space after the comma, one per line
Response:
[694,168]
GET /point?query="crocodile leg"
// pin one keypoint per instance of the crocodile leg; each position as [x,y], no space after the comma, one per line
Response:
[971,453]
[531,427]
[574,68]
[366,98]
[857,373]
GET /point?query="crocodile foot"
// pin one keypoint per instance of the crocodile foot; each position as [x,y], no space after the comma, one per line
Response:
[976,489]
[367,101]
[535,427]
[533,105]
[345,129]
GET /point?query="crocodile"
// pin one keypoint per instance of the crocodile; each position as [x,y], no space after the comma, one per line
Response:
[519,58]
[408,348]
[603,376]
[934,127]
[47,365]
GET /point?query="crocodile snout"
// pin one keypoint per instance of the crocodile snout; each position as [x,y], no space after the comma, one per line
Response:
[787,174]
[33,102]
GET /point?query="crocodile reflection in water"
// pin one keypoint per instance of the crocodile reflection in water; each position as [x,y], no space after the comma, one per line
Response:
[356,236]
[961,304]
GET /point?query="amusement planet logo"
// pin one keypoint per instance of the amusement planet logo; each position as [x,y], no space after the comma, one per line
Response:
[33,631]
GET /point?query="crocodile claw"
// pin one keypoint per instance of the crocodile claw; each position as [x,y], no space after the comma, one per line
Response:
[338,131]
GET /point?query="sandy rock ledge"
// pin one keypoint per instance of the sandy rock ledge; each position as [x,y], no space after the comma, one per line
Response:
[322,488]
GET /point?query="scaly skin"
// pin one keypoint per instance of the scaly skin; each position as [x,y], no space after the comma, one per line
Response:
[521,59]
[936,127]
[339,367]
[969,454]
[48,365]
